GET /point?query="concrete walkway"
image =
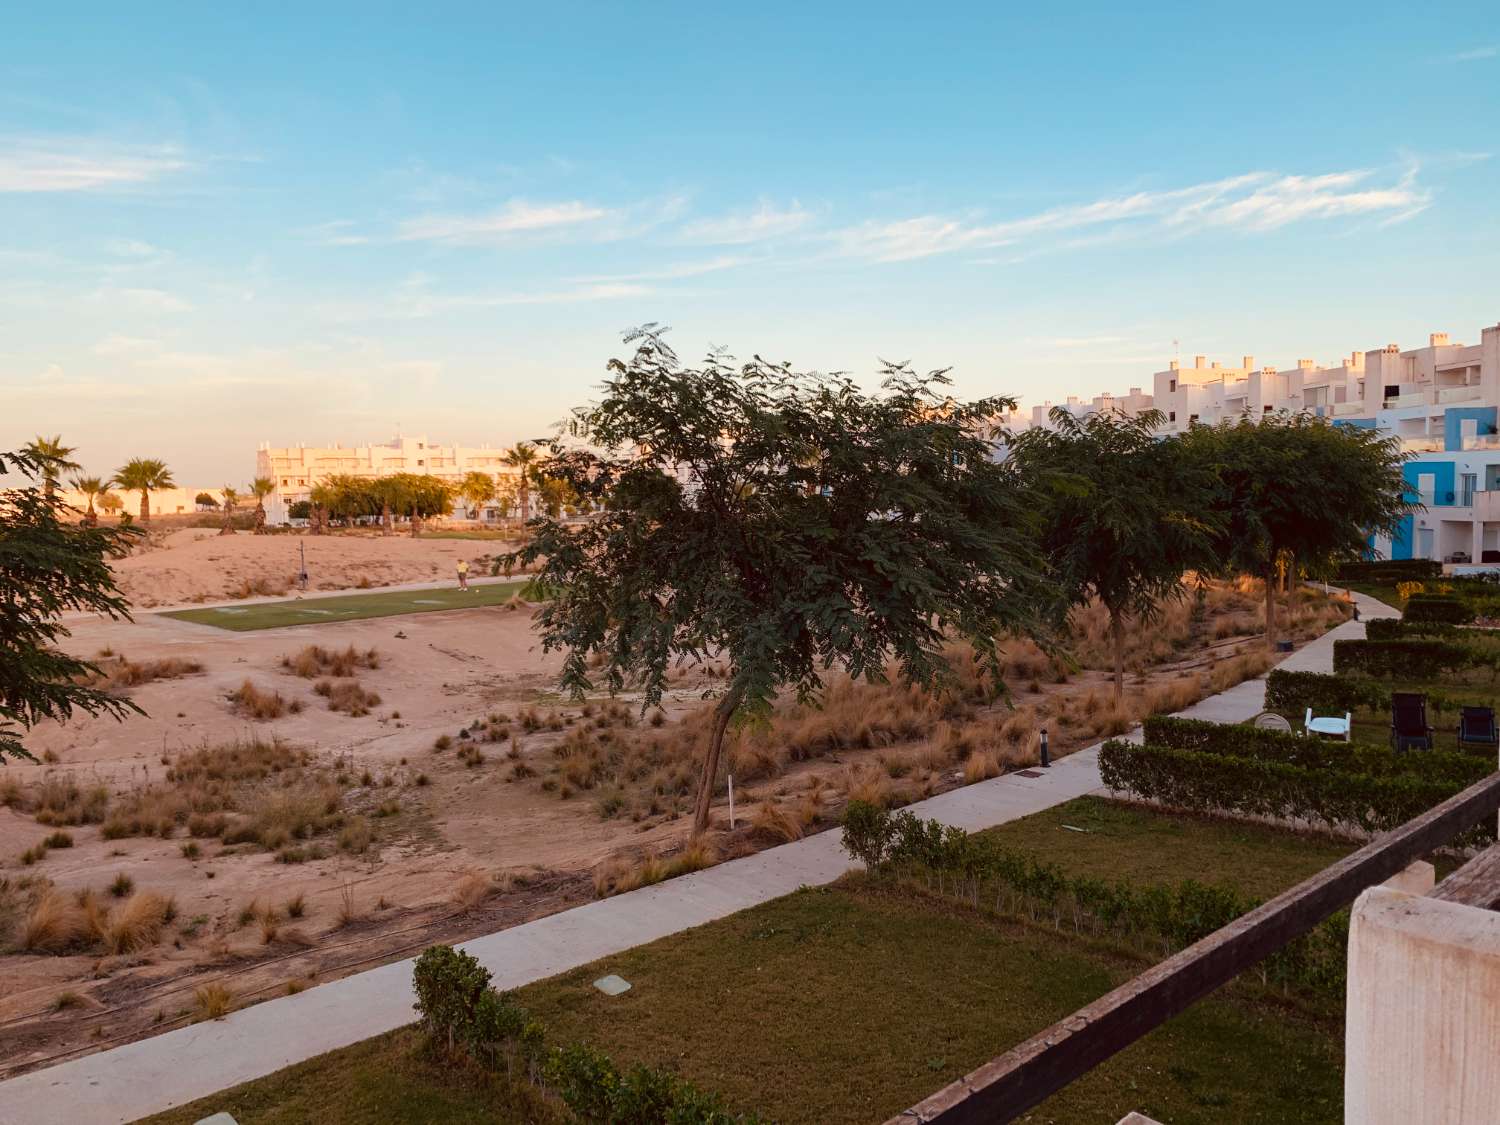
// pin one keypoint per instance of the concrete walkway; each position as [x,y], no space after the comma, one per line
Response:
[145,1077]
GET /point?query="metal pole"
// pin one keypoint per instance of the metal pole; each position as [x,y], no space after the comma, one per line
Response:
[1046,758]
[731,802]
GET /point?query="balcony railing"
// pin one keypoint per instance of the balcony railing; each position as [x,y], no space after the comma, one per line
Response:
[1415,398]
[1342,408]
[1440,498]
[1457,394]
[1422,444]
[1482,441]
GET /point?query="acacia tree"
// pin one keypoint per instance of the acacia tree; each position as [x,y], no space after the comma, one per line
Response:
[1125,514]
[261,487]
[1298,489]
[389,494]
[48,567]
[788,522]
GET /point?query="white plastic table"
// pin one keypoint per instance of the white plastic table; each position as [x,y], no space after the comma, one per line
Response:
[1331,726]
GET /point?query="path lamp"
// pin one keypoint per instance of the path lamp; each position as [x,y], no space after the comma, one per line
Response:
[1046,758]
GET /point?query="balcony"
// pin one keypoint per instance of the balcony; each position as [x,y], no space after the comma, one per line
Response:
[1415,398]
[1342,409]
[1458,394]
[1422,444]
[1442,498]
[1482,441]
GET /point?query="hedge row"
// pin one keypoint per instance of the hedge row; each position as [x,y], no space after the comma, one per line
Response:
[461,1010]
[1445,609]
[1412,658]
[1390,570]
[981,870]
[1235,741]
[1339,799]
[1397,629]
[1294,692]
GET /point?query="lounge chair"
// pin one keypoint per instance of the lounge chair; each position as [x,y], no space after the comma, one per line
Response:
[1409,727]
[1476,727]
[1330,726]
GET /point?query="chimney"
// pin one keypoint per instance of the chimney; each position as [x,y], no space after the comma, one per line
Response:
[1173,366]
[1437,340]
[1200,360]
[1305,365]
[1248,362]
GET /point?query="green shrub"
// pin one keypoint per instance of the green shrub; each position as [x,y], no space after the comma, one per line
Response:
[1227,740]
[1414,658]
[448,986]
[867,833]
[1444,609]
[1293,693]
[1390,571]
[1340,799]
[1396,629]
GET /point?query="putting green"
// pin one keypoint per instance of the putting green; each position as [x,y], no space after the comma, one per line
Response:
[350,607]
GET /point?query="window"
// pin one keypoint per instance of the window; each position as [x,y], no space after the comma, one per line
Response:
[1192,417]
[1266,409]
[419,460]
[283,482]
[1171,415]
[1171,385]
[301,482]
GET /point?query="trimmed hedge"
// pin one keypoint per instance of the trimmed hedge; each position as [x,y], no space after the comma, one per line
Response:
[1391,570]
[1234,741]
[1396,629]
[1340,799]
[978,869]
[1415,658]
[1294,692]
[459,1008]
[1442,609]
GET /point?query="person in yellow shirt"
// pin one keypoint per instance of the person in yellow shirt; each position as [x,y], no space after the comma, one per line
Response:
[463,574]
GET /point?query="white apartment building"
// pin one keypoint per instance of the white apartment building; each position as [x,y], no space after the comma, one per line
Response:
[1440,400]
[296,469]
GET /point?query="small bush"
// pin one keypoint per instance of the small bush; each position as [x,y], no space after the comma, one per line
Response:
[122,885]
[212,1001]
[1442,609]
[59,840]
[258,703]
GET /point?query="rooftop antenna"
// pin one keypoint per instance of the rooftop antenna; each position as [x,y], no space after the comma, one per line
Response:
[1176,348]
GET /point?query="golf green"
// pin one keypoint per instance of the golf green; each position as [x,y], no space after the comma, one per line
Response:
[349,607]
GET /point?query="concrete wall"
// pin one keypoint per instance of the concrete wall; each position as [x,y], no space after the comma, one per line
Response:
[1422,1032]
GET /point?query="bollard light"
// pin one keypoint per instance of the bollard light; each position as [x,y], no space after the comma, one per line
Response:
[1046,759]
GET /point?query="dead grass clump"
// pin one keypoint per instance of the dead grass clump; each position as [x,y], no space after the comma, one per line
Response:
[57,923]
[119,673]
[1171,696]
[137,922]
[347,696]
[868,784]
[58,799]
[981,765]
[356,835]
[472,889]
[777,823]
[212,1001]
[315,660]
[258,703]
[280,816]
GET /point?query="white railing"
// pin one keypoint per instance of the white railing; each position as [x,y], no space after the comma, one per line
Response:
[1348,408]
[1482,441]
[1422,444]
[1415,398]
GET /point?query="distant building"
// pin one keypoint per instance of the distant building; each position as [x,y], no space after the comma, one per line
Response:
[296,469]
[1440,401]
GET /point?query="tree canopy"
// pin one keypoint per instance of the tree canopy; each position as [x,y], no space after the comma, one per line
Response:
[1125,513]
[1298,488]
[787,521]
[48,567]
[144,475]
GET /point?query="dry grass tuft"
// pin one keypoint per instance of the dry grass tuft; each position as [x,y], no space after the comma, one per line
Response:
[347,696]
[212,1001]
[119,673]
[315,660]
[57,923]
[473,888]
[260,704]
[137,922]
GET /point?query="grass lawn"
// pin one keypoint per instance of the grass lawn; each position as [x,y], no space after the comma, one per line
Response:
[1380,591]
[848,1003]
[348,607]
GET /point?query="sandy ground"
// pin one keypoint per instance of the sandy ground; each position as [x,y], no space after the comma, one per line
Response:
[438,672]
[194,565]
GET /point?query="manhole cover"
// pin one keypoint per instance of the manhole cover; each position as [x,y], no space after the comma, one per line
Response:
[612,985]
[1028,773]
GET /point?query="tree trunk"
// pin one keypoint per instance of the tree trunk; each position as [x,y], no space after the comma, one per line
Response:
[228,528]
[1271,607]
[145,506]
[91,518]
[722,714]
[260,517]
[1117,634]
[387,525]
[416,524]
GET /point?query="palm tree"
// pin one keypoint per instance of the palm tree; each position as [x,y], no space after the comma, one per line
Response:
[144,475]
[261,487]
[54,457]
[523,456]
[231,498]
[322,497]
[92,488]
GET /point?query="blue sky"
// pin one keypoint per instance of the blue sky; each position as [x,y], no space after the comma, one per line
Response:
[319,222]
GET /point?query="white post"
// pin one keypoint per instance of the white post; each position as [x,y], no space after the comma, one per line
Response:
[731,802]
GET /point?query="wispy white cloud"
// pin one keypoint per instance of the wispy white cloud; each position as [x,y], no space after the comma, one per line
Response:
[675,271]
[1259,201]
[1475,54]
[517,217]
[67,164]
[415,300]
[765,222]
[131,248]
[145,300]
